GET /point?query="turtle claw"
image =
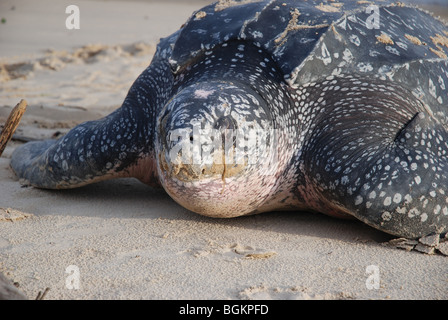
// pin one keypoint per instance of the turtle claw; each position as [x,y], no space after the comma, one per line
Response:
[430,244]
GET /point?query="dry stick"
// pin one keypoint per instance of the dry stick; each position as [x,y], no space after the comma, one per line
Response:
[41,296]
[11,124]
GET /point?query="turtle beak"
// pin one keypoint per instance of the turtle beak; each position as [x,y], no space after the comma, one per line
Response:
[189,155]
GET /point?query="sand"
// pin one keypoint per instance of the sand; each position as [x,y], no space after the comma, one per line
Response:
[121,239]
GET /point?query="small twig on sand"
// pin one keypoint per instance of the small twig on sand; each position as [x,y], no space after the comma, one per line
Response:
[41,295]
[11,124]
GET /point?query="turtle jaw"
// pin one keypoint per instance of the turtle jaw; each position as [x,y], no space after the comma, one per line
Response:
[220,183]
[190,172]
[209,197]
[213,190]
[226,194]
[218,186]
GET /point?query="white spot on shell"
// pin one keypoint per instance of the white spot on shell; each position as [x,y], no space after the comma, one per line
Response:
[203,94]
[257,34]
[397,198]
[326,56]
[392,50]
[64,165]
[386,216]
[432,88]
[355,40]
[364,67]
[417,180]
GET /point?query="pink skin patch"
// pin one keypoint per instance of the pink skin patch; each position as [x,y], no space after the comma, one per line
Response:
[203,94]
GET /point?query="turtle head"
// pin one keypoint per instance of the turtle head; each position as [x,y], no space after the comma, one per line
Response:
[215,148]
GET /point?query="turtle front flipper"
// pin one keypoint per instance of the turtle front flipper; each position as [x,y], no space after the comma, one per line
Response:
[91,152]
[378,154]
[119,145]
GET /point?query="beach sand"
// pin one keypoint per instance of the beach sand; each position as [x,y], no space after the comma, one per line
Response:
[126,240]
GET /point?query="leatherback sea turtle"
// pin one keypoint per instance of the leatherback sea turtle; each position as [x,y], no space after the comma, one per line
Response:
[338,107]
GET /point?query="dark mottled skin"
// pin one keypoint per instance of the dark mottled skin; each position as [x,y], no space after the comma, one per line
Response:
[359,116]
